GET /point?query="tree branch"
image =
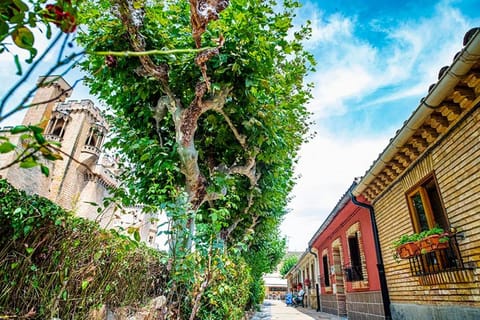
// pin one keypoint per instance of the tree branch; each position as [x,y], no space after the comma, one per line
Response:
[240,137]
[249,169]
[147,53]
[127,13]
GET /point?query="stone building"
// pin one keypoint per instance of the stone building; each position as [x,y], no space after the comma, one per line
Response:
[428,176]
[85,175]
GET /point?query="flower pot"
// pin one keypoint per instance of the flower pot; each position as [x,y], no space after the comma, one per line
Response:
[408,250]
[433,243]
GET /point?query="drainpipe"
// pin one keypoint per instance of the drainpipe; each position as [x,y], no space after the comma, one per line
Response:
[316,282]
[378,251]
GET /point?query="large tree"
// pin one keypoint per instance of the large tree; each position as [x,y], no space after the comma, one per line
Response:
[208,112]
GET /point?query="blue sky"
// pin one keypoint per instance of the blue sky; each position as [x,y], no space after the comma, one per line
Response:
[376,60]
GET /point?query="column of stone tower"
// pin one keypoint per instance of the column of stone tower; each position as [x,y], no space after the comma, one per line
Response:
[51,89]
[81,140]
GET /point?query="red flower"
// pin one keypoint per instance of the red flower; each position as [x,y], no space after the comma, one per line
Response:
[54,12]
[68,24]
[62,19]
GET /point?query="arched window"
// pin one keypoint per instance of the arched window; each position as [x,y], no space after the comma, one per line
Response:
[57,127]
[355,257]
[356,271]
[91,141]
[95,137]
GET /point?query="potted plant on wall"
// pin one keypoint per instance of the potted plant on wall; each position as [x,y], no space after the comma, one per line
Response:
[307,283]
[406,246]
[411,245]
[434,239]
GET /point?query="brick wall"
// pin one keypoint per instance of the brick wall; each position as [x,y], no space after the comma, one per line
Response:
[456,163]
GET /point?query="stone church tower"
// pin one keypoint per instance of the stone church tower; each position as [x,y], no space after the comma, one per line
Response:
[85,174]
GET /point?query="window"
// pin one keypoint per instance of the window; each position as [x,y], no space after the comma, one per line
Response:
[426,207]
[326,274]
[57,127]
[312,279]
[426,210]
[355,257]
[94,138]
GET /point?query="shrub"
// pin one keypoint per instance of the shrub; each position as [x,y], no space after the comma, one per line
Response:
[228,293]
[55,265]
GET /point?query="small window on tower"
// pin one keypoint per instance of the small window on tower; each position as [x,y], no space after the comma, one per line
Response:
[92,137]
[58,127]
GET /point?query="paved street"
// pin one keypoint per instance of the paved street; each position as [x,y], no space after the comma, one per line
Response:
[277,310]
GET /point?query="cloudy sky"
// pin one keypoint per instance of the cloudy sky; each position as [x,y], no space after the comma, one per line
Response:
[376,60]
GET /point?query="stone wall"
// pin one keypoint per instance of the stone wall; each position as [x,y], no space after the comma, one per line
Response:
[329,303]
[365,306]
[403,311]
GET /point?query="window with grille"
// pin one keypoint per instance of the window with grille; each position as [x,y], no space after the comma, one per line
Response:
[426,210]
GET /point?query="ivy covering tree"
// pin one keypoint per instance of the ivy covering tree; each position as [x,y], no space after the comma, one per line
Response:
[207,102]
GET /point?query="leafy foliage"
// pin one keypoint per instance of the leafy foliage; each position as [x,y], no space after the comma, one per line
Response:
[288,263]
[34,148]
[207,135]
[227,296]
[55,265]
[18,19]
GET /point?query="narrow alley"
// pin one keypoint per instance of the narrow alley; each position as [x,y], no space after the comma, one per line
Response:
[278,310]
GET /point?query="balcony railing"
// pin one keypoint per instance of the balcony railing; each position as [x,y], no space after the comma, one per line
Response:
[53,137]
[448,259]
[91,149]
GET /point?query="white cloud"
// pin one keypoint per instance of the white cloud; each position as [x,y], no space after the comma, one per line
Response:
[333,28]
[328,165]
[350,67]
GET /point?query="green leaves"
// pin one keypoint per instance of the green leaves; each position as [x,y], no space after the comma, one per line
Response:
[135,231]
[32,147]
[29,162]
[287,264]
[85,284]
[19,129]
[23,38]
[6,147]
[259,128]
[13,15]
[45,170]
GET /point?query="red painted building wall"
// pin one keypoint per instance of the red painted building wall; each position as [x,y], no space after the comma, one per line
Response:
[337,229]
[348,295]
